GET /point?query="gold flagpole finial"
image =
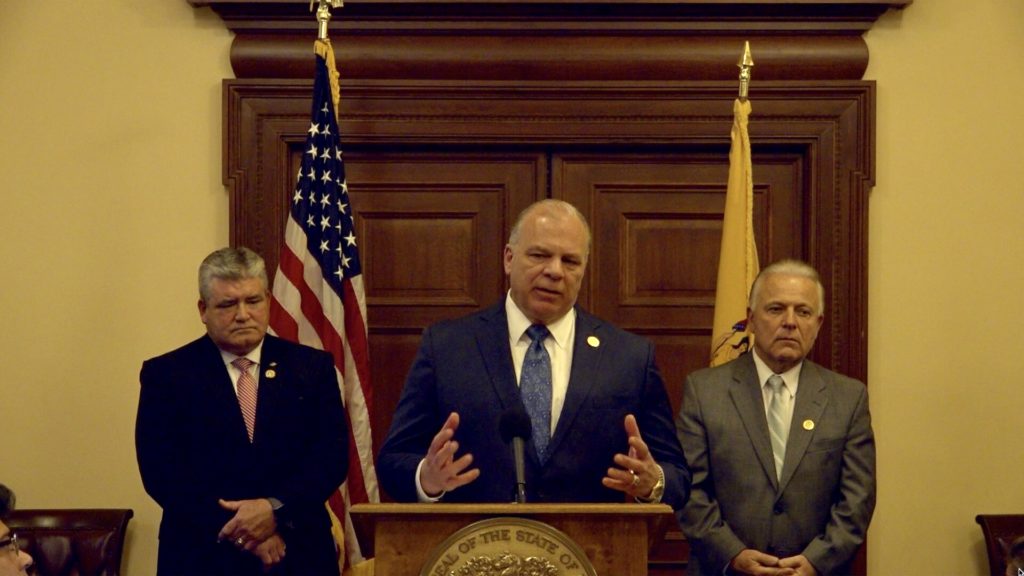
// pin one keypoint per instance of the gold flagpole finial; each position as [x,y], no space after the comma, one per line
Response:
[745,64]
[323,15]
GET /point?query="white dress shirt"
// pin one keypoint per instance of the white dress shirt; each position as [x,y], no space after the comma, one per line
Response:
[235,373]
[559,347]
[791,377]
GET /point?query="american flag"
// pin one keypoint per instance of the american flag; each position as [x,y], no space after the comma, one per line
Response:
[318,297]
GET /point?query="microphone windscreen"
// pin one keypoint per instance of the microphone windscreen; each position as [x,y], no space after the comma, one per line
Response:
[514,422]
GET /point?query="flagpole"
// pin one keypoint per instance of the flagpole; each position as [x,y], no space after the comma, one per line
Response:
[746,63]
[318,296]
[323,15]
[323,48]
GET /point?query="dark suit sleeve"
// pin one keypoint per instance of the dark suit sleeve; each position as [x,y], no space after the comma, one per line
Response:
[323,464]
[855,503]
[180,490]
[659,433]
[416,421]
[701,519]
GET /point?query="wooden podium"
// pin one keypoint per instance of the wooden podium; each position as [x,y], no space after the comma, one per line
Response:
[616,538]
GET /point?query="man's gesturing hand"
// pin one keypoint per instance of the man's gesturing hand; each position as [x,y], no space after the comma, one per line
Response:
[639,472]
[440,471]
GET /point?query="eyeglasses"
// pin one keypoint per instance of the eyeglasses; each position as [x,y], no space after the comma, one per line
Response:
[11,541]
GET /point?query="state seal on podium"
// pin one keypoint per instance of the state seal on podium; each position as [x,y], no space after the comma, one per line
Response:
[511,547]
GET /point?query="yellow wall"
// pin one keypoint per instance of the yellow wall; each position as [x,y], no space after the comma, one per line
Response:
[110,192]
[110,189]
[946,269]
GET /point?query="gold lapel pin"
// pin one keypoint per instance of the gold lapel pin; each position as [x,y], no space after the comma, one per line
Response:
[270,373]
[593,341]
[808,424]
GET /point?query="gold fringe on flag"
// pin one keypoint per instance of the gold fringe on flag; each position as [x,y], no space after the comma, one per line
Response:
[323,48]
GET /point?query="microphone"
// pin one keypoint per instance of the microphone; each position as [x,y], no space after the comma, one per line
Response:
[515,427]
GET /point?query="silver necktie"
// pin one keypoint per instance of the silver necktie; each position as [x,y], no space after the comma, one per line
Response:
[778,423]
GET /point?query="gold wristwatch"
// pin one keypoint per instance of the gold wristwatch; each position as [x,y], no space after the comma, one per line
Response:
[658,491]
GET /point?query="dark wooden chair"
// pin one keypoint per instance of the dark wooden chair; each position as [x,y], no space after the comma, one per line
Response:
[1000,531]
[84,542]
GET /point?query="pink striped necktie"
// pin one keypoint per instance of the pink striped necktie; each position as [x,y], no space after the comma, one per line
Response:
[246,393]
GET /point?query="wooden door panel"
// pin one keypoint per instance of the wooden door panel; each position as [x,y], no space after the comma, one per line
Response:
[657,226]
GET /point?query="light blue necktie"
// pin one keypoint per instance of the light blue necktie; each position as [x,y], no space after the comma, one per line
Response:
[535,387]
[778,425]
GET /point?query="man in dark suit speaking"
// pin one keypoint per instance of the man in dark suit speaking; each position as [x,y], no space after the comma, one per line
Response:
[600,423]
[781,449]
[241,437]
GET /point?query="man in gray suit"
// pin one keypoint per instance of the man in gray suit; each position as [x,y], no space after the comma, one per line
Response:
[783,470]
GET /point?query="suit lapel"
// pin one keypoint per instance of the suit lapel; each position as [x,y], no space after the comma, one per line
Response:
[811,400]
[221,390]
[585,371]
[271,359]
[492,340]
[746,395]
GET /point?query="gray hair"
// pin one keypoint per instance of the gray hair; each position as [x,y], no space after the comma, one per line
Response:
[788,267]
[231,264]
[551,205]
[6,501]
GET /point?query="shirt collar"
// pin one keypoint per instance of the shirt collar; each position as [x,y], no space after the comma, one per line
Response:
[791,377]
[253,355]
[560,329]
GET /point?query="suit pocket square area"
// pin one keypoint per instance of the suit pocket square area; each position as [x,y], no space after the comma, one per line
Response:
[612,402]
[826,445]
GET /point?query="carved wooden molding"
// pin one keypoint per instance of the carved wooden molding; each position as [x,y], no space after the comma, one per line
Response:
[476,16]
[557,40]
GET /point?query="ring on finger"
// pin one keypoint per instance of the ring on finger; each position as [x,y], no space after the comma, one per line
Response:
[240,541]
[636,479]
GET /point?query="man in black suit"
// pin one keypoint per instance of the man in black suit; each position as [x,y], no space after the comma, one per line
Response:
[605,425]
[241,437]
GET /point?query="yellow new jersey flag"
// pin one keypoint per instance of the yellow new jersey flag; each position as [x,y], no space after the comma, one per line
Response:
[737,262]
